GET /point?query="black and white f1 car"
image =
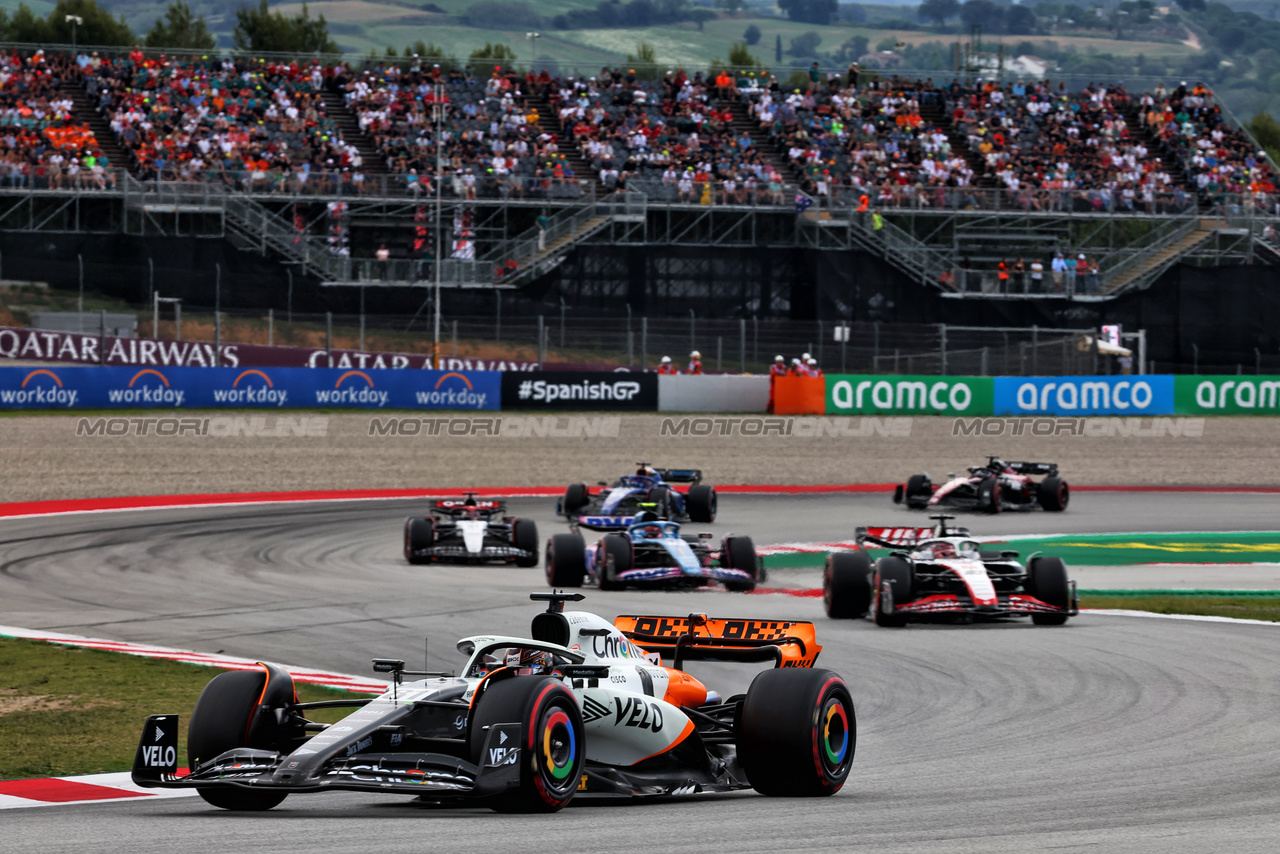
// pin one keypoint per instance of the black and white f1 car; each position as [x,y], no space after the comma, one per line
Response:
[652,553]
[992,487]
[943,574]
[580,708]
[470,530]
[613,507]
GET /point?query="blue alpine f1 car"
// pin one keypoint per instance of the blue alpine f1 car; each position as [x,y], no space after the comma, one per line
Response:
[613,507]
[652,552]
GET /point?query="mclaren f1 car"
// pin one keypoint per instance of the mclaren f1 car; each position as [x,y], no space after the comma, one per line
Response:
[581,708]
[993,487]
[470,530]
[613,506]
[652,553]
[943,574]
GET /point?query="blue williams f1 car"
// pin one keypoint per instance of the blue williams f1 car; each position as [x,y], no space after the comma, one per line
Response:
[652,553]
[613,507]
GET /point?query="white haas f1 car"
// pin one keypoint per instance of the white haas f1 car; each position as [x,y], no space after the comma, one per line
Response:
[614,507]
[943,575]
[993,487]
[581,708]
[470,530]
[652,553]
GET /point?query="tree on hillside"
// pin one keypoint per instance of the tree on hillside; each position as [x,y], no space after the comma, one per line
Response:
[700,16]
[983,13]
[96,25]
[805,44]
[810,11]
[645,62]
[1019,21]
[777,49]
[938,10]
[1266,130]
[260,29]
[499,52]
[753,35]
[179,29]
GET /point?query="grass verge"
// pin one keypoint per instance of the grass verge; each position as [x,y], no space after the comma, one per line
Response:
[66,710]
[1245,607]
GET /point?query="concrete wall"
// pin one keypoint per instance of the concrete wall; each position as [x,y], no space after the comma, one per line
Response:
[713,393]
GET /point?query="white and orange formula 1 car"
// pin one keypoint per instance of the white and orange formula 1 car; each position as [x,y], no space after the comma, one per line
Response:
[942,574]
[581,708]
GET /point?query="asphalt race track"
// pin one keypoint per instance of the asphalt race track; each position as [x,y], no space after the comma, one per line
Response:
[1111,734]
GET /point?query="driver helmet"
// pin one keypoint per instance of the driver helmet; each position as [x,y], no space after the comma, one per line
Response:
[645,470]
[645,516]
[944,550]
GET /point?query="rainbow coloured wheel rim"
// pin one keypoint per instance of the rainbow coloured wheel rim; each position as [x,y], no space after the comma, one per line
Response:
[557,750]
[835,737]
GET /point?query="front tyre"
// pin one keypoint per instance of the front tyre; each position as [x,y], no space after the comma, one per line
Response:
[846,585]
[900,578]
[524,535]
[566,560]
[419,533]
[575,498]
[700,502]
[1047,581]
[553,744]
[990,497]
[740,553]
[797,732]
[615,559]
[1053,494]
[220,722]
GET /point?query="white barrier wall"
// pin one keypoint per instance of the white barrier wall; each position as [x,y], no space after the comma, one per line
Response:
[713,393]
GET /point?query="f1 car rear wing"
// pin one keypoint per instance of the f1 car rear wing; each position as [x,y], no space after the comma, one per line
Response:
[893,538]
[698,637]
[1050,469]
[680,475]
[455,506]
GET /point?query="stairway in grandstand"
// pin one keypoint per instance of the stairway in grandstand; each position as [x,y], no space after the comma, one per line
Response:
[375,162]
[1147,267]
[549,122]
[744,123]
[86,111]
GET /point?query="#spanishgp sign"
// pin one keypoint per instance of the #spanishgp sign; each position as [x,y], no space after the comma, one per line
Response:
[584,391]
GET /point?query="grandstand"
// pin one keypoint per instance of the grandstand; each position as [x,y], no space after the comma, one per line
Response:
[721,192]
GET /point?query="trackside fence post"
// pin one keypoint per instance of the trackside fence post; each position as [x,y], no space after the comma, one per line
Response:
[328,338]
[742,343]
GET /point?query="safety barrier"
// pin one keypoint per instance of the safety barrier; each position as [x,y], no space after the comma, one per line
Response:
[713,393]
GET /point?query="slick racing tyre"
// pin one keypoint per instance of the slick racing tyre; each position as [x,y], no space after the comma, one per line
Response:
[660,498]
[615,559]
[524,535]
[918,490]
[419,533]
[989,495]
[700,503]
[797,732]
[221,722]
[553,745]
[740,553]
[566,560]
[846,585]
[1053,494]
[575,498]
[1047,581]
[901,578]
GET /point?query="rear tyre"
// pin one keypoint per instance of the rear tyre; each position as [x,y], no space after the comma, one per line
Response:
[419,533]
[1047,581]
[552,747]
[901,578]
[797,732]
[740,553]
[617,560]
[989,495]
[575,498]
[846,585]
[524,535]
[566,560]
[1053,494]
[700,502]
[220,722]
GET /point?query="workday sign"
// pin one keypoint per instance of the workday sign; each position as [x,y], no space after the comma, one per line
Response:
[1119,395]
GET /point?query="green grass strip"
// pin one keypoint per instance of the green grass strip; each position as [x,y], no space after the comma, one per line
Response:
[1192,593]
[1238,607]
[66,710]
